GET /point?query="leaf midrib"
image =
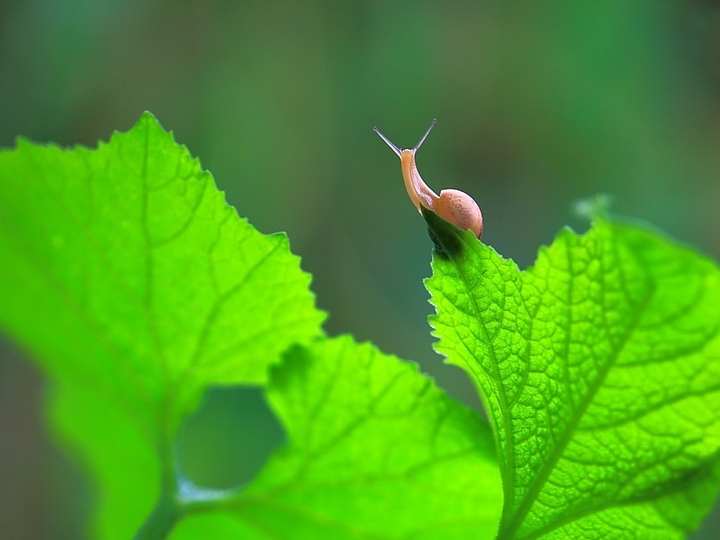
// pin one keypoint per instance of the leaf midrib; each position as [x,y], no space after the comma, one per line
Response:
[558,450]
[507,472]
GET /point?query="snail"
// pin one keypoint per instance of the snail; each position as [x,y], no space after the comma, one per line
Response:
[452,205]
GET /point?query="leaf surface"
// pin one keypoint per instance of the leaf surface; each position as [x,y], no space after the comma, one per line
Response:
[375,450]
[600,370]
[132,282]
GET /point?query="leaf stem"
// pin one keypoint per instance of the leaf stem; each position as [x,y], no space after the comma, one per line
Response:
[174,504]
[169,508]
[162,520]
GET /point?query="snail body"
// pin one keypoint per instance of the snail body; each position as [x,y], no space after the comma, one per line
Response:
[452,205]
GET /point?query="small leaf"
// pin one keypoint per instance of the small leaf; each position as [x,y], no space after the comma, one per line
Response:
[132,282]
[375,451]
[600,371]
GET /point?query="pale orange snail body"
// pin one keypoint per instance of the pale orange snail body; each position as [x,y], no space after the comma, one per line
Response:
[452,205]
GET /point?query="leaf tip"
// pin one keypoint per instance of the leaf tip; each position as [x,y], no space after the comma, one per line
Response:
[446,237]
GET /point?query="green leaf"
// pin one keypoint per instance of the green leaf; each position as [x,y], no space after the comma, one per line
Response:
[600,371]
[132,282]
[375,451]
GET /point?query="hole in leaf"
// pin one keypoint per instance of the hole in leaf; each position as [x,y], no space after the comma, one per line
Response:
[229,438]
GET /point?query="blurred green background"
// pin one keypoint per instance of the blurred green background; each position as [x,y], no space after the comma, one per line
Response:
[538,104]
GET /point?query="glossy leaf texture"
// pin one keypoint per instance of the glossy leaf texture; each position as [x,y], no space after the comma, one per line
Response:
[600,370]
[135,286]
[375,450]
